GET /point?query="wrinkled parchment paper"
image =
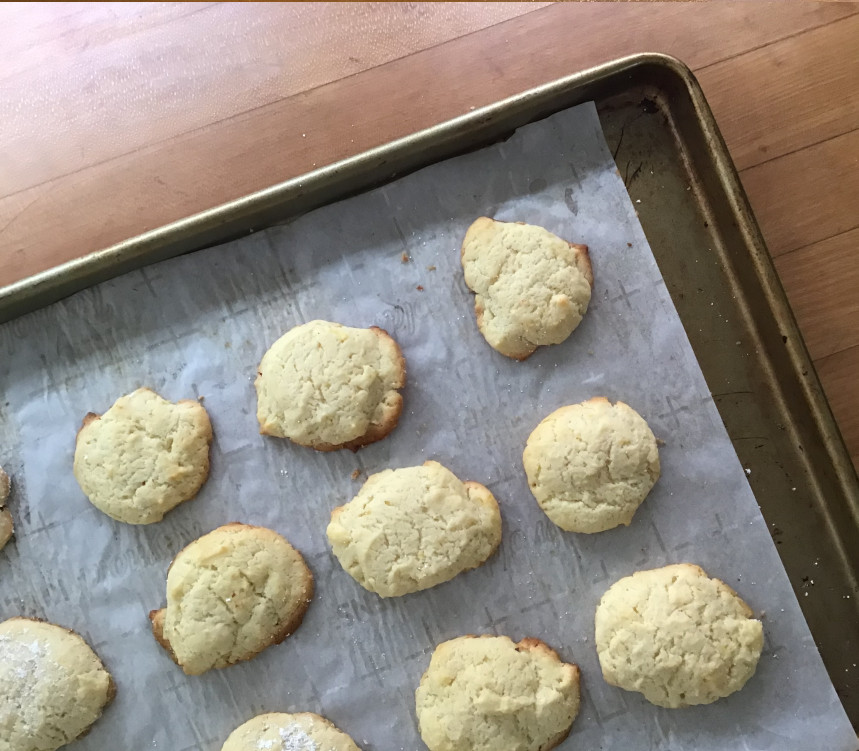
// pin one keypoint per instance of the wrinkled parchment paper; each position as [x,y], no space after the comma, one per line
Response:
[198,325]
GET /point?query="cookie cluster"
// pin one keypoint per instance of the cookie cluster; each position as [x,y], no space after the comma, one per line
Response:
[673,634]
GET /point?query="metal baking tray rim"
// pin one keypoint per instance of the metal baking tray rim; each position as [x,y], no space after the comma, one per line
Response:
[220,223]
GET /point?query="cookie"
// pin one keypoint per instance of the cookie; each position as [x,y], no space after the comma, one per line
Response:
[5,487]
[231,594]
[278,731]
[53,687]
[410,529]
[330,387]
[591,465]
[7,529]
[676,636]
[531,287]
[143,457]
[487,693]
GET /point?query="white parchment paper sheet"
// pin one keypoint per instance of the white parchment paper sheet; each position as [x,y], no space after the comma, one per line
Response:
[198,325]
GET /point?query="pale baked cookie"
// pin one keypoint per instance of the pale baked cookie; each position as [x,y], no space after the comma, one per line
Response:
[531,287]
[7,529]
[230,594]
[487,693]
[410,529]
[278,731]
[144,456]
[590,465]
[677,636]
[329,386]
[53,687]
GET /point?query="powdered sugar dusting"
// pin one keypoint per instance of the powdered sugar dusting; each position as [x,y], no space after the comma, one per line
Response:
[292,738]
[27,669]
[28,658]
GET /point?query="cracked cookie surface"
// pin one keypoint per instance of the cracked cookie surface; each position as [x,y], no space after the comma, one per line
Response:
[531,287]
[144,456]
[230,594]
[329,386]
[591,465]
[487,693]
[278,731]
[676,636]
[53,687]
[7,527]
[412,528]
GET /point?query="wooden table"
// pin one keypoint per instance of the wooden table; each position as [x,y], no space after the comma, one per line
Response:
[119,118]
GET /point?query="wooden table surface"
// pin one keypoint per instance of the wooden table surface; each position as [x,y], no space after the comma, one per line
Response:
[118,118]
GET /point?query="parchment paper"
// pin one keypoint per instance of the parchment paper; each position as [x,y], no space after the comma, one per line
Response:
[198,325]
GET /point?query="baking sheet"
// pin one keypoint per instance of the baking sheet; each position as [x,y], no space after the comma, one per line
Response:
[198,325]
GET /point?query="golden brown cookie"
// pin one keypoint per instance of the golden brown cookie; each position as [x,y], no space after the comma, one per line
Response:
[329,386]
[7,528]
[230,594]
[487,693]
[531,287]
[676,636]
[591,465]
[412,528]
[53,687]
[278,731]
[144,456]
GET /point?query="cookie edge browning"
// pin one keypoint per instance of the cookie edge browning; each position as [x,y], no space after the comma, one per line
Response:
[156,617]
[7,527]
[477,225]
[89,418]
[479,493]
[700,573]
[532,644]
[582,254]
[110,695]
[7,523]
[376,431]
[92,417]
[206,467]
[528,644]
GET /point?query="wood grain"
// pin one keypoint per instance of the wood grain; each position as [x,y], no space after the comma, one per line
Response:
[808,195]
[838,375]
[778,99]
[822,282]
[207,166]
[156,82]
[117,118]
